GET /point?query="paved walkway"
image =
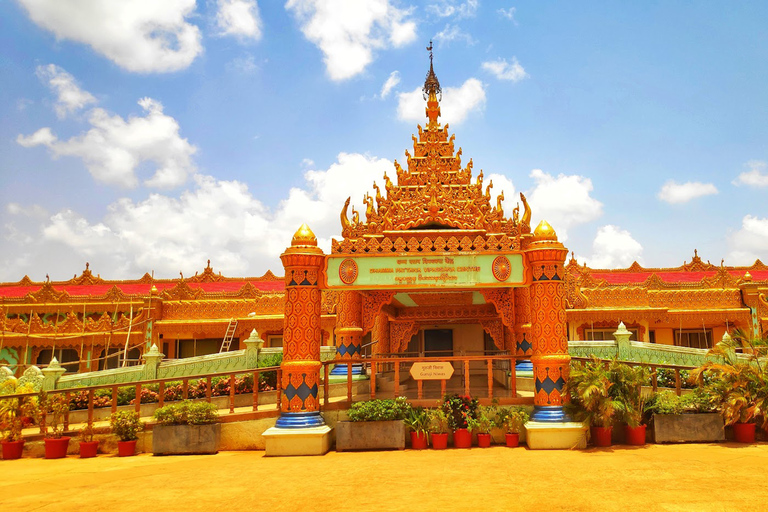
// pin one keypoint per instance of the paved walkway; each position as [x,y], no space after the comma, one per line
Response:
[656,477]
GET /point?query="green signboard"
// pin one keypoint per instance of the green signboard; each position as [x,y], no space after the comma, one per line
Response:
[425,271]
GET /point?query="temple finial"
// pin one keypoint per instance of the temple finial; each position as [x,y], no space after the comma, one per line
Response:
[431,84]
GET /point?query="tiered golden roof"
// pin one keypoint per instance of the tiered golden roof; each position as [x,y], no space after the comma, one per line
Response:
[434,192]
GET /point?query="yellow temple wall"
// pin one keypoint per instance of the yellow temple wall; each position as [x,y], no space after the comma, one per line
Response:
[664,336]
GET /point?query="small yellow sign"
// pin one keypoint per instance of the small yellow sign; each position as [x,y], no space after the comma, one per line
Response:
[432,371]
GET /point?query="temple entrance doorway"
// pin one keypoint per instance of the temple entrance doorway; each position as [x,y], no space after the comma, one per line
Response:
[438,342]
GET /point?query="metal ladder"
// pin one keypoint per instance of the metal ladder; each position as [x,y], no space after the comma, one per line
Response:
[229,335]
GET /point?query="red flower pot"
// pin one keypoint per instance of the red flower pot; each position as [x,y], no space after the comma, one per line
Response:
[601,436]
[513,439]
[744,432]
[484,440]
[462,438]
[56,448]
[439,441]
[126,448]
[88,449]
[12,449]
[635,435]
[418,440]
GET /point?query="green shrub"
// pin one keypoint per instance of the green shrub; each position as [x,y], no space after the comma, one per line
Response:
[379,410]
[187,413]
[126,425]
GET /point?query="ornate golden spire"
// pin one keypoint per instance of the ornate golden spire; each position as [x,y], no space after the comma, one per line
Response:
[431,90]
[431,84]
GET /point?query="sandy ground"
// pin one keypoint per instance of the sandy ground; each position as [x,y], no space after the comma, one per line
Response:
[655,477]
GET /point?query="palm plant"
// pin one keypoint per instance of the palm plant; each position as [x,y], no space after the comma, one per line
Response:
[738,385]
[626,390]
[589,387]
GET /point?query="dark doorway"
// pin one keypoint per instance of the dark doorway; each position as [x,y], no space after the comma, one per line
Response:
[438,342]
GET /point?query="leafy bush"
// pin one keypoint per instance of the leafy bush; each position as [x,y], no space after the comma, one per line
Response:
[126,425]
[379,410]
[667,402]
[187,413]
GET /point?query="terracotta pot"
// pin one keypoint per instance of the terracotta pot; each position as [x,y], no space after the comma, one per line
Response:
[13,449]
[744,432]
[601,436]
[88,449]
[635,435]
[56,448]
[484,440]
[462,438]
[513,439]
[418,440]
[439,441]
[126,448]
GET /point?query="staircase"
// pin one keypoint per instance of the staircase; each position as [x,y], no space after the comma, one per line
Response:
[225,344]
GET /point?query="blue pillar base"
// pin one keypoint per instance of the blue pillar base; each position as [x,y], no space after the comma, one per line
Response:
[524,365]
[341,369]
[549,414]
[299,420]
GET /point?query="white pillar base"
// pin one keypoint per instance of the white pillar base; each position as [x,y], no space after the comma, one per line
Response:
[282,442]
[544,435]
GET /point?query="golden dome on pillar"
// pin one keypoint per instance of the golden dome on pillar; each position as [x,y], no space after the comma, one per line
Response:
[544,231]
[304,236]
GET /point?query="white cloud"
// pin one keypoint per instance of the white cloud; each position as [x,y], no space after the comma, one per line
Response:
[508,13]
[750,242]
[143,36]
[449,8]
[613,247]
[348,31]
[756,176]
[220,220]
[675,193]
[114,148]
[455,106]
[239,18]
[563,201]
[504,70]
[453,33]
[391,83]
[70,98]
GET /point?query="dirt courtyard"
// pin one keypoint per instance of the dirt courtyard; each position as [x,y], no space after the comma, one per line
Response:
[697,477]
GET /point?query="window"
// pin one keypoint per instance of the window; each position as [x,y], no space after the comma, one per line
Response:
[202,347]
[115,358]
[67,357]
[693,338]
[606,334]
[274,340]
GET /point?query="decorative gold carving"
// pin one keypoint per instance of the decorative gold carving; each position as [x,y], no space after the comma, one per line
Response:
[495,328]
[503,300]
[448,312]
[372,304]
[442,299]
[400,333]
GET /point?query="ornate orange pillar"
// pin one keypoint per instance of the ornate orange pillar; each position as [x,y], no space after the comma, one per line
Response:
[302,336]
[349,332]
[548,324]
[523,344]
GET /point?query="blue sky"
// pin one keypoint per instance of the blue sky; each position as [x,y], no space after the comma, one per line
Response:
[152,136]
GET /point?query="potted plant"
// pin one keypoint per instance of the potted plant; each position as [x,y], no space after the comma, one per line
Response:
[51,410]
[88,447]
[626,389]
[589,386]
[687,418]
[417,422]
[438,429]
[13,412]
[186,428]
[739,385]
[482,425]
[512,420]
[373,425]
[458,409]
[126,425]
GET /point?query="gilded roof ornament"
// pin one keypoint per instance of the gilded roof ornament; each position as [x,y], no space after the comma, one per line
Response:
[304,236]
[431,83]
